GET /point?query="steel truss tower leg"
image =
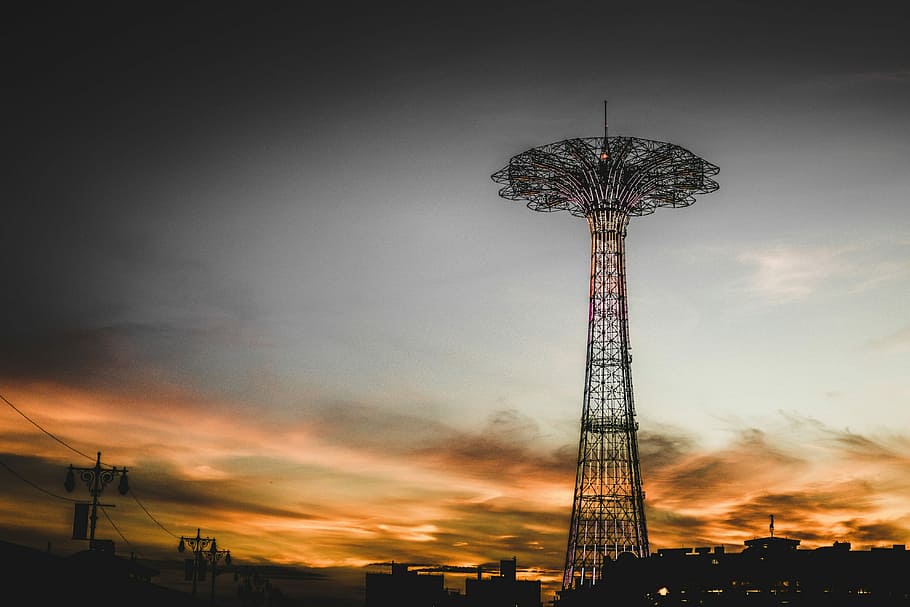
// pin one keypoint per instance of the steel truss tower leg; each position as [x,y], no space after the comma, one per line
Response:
[608,516]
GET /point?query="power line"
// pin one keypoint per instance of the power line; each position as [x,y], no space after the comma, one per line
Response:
[68,499]
[64,443]
[37,425]
[149,514]
[116,528]
[33,485]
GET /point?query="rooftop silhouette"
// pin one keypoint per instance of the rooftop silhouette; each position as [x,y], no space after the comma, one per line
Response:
[42,578]
[768,571]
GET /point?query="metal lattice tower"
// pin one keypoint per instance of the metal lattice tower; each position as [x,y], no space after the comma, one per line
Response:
[606,180]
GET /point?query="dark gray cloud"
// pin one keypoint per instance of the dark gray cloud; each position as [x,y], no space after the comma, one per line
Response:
[133,134]
[76,357]
[695,474]
[509,443]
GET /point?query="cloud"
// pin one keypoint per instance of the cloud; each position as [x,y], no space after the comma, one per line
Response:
[509,444]
[346,484]
[784,273]
[897,76]
[898,341]
[821,484]
[69,355]
[787,273]
[352,482]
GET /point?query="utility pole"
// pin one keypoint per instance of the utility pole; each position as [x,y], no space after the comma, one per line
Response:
[205,550]
[214,555]
[197,545]
[96,478]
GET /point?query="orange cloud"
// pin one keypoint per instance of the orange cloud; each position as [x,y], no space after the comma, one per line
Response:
[344,485]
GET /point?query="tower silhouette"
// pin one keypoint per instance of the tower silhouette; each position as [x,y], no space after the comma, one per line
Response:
[606,180]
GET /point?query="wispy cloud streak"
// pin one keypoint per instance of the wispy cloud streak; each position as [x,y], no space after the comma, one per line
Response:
[325,490]
[784,273]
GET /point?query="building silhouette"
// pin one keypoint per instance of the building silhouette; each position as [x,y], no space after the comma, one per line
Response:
[403,587]
[503,590]
[768,571]
[94,577]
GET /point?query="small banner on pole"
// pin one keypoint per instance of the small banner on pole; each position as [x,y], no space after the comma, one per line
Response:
[80,521]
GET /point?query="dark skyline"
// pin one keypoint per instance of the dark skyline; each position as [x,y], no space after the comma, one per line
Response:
[255,255]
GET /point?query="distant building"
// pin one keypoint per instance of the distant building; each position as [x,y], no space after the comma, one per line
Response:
[504,590]
[405,588]
[769,571]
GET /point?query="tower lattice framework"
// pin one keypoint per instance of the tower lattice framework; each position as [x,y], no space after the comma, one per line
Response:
[606,180]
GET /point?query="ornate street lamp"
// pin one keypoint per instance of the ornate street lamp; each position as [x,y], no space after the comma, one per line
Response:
[205,550]
[96,478]
[196,545]
[213,555]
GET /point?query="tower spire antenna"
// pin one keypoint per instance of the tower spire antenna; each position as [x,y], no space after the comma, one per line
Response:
[605,149]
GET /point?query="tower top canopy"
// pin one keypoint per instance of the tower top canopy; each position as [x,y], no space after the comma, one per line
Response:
[638,176]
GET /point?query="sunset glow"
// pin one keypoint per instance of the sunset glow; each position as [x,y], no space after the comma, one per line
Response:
[255,256]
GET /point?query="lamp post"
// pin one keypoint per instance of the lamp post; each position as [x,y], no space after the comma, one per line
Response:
[214,555]
[96,478]
[197,545]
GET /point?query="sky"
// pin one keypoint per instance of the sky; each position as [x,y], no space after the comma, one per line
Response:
[254,254]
